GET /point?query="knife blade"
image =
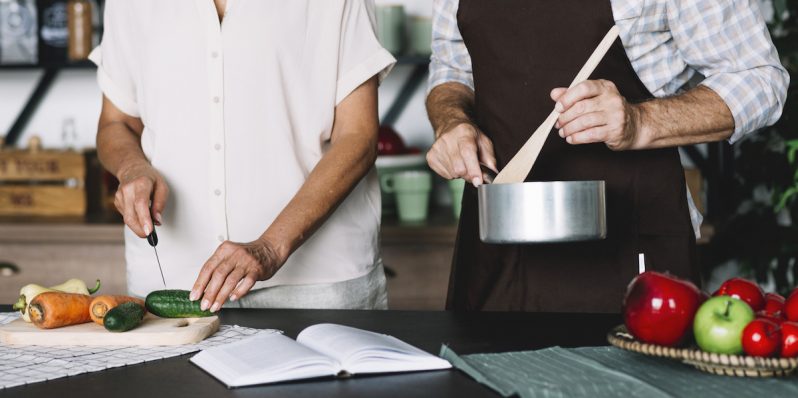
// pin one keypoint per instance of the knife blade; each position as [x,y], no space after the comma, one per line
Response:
[152,239]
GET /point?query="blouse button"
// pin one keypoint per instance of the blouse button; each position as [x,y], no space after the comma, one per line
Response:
[217,192]
[217,147]
[216,100]
[221,238]
[214,54]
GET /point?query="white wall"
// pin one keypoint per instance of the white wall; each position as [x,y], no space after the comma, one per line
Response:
[75,95]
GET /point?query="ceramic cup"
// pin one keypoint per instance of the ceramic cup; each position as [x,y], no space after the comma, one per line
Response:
[391,27]
[420,29]
[412,190]
[456,187]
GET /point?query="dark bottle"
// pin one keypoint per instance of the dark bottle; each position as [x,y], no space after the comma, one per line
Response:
[53,32]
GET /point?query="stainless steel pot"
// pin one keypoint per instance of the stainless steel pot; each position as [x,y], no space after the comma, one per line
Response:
[542,212]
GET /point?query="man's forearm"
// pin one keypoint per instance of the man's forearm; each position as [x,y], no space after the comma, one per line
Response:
[330,182]
[448,105]
[696,116]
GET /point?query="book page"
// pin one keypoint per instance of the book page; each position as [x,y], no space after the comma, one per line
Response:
[264,358]
[361,351]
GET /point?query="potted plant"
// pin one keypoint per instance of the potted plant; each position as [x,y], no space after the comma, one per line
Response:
[762,235]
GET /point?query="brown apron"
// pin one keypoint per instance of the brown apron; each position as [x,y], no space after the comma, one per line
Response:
[520,50]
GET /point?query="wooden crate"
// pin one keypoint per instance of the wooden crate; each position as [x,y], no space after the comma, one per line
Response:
[35,182]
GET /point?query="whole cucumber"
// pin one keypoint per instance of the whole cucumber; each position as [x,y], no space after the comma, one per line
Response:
[174,304]
[123,317]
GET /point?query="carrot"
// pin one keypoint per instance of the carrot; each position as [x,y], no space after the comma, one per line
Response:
[102,304]
[55,309]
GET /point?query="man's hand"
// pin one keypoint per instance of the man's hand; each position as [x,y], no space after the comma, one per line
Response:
[594,111]
[459,146]
[232,271]
[139,184]
[458,151]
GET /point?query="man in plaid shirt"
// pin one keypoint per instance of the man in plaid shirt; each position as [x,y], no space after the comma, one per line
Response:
[639,106]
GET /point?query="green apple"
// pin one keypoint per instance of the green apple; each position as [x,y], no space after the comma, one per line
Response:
[719,323]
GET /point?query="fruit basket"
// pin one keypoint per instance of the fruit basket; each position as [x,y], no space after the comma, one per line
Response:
[720,364]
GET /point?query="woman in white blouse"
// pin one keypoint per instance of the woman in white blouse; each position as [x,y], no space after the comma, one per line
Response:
[246,131]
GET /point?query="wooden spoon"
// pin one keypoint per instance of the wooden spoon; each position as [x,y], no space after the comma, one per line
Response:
[518,168]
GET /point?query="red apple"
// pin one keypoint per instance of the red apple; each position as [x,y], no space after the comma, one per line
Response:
[774,304]
[745,290]
[777,319]
[761,338]
[389,142]
[659,308]
[790,310]
[789,339]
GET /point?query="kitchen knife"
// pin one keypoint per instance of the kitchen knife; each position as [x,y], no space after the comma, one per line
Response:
[152,239]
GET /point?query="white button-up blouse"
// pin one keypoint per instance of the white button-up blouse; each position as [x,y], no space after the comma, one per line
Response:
[236,115]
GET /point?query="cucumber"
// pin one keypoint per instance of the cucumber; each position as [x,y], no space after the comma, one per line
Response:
[174,304]
[123,317]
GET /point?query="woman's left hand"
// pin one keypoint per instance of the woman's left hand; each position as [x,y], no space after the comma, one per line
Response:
[232,270]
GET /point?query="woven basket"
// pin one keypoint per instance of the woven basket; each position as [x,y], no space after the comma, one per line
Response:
[720,364]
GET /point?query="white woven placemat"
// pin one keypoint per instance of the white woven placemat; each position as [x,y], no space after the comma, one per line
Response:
[21,365]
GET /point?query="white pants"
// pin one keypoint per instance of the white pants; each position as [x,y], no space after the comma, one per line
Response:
[367,292]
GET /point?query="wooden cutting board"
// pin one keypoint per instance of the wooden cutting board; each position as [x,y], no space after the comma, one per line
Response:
[152,331]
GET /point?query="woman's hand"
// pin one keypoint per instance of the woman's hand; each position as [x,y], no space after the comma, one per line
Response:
[232,271]
[141,188]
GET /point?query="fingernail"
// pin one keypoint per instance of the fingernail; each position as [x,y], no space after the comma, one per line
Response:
[215,307]
[233,297]
[193,296]
[476,182]
[146,229]
[562,134]
[558,107]
[568,140]
[158,218]
[204,305]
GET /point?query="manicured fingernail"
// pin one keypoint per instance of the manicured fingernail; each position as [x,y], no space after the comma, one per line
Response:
[233,297]
[146,229]
[193,296]
[569,139]
[158,218]
[476,182]
[558,107]
[204,305]
[562,134]
[215,307]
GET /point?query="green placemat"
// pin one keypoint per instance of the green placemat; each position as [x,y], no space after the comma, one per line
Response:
[606,372]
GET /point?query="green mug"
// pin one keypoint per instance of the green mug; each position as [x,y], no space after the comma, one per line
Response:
[412,190]
[457,186]
[391,27]
[420,35]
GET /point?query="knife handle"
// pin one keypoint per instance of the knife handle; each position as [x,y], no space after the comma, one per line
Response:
[152,238]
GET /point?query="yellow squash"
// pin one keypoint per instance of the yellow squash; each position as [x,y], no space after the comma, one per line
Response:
[29,292]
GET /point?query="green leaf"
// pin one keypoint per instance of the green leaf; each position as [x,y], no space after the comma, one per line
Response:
[784,198]
[792,150]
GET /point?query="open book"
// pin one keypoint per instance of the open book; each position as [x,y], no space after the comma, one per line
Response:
[319,350]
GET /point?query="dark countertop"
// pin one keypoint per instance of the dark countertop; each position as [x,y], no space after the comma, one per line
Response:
[464,332]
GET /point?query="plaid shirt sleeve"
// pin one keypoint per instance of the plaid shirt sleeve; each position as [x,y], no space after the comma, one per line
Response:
[450,61]
[728,43]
